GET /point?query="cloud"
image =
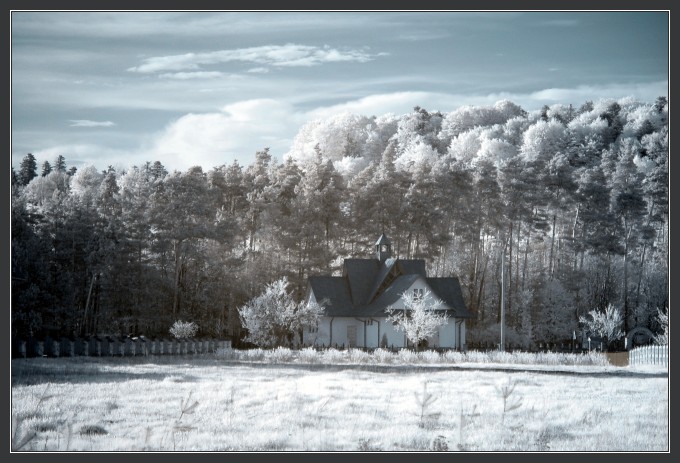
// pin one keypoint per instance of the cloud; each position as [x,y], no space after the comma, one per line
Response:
[237,131]
[398,103]
[289,55]
[259,70]
[647,91]
[240,129]
[88,123]
[81,154]
[192,75]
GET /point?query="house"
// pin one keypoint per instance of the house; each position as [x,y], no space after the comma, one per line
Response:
[355,302]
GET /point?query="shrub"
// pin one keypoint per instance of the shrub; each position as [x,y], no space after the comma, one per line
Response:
[407,356]
[383,356]
[453,356]
[183,330]
[358,356]
[429,356]
[332,356]
[280,355]
[309,355]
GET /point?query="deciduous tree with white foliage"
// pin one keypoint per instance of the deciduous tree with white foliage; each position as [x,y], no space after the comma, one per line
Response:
[664,337]
[274,318]
[606,324]
[420,318]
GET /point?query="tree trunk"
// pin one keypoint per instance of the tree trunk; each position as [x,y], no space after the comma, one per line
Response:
[625,277]
[87,304]
[175,300]
[526,259]
[551,269]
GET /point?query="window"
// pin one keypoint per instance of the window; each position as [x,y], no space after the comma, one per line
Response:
[417,294]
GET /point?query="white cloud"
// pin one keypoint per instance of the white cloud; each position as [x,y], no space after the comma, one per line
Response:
[642,91]
[192,75]
[237,131]
[259,70]
[88,123]
[288,55]
[398,103]
[78,155]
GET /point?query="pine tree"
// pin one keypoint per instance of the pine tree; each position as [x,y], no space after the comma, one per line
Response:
[60,164]
[28,169]
[46,169]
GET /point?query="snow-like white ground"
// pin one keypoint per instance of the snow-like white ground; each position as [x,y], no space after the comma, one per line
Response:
[215,404]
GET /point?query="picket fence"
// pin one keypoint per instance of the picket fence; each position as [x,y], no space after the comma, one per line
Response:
[121,347]
[648,355]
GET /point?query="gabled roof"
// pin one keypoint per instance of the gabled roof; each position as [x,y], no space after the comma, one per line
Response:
[382,240]
[360,274]
[331,292]
[385,270]
[448,290]
[360,292]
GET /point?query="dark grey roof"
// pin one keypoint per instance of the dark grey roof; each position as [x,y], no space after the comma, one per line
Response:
[361,274]
[394,292]
[332,293]
[448,290]
[354,293]
[384,271]
[382,240]
[412,266]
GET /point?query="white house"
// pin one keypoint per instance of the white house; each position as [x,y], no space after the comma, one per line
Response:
[355,302]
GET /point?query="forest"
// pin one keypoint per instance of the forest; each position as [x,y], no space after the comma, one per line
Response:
[574,196]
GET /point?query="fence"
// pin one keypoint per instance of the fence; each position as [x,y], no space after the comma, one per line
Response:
[649,355]
[112,347]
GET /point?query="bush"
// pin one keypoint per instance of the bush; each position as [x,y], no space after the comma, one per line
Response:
[383,356]
[280,355]
[183,330]
[330,356]
[309,355]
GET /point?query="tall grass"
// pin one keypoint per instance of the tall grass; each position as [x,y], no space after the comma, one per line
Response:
[217,403]
[308,355]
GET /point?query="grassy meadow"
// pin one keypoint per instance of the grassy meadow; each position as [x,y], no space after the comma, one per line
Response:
[288,402]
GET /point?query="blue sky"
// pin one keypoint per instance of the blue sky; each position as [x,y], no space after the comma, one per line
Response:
[191,88]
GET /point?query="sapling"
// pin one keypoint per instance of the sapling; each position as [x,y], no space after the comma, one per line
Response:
[424,401]
[509,402]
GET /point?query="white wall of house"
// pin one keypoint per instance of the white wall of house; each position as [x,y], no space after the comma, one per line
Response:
[350,332]
[369,332]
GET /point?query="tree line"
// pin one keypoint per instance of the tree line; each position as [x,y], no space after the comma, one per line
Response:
[576,198]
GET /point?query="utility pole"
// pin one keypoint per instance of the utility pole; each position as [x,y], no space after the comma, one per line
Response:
[502,345]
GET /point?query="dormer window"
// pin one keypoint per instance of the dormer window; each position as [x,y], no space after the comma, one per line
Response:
[418,294]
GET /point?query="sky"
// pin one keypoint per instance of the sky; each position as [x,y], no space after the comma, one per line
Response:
[207,88]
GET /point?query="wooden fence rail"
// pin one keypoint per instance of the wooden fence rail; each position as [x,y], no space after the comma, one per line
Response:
[112,347]
[649,355]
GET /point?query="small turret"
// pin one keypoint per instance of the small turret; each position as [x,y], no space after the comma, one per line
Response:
[383,248]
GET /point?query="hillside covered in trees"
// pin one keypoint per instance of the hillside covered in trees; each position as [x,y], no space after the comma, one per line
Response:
[577,196]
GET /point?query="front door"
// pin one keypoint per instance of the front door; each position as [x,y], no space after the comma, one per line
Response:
[351,336]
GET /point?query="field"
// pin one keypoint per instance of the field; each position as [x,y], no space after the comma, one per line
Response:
[218,403]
